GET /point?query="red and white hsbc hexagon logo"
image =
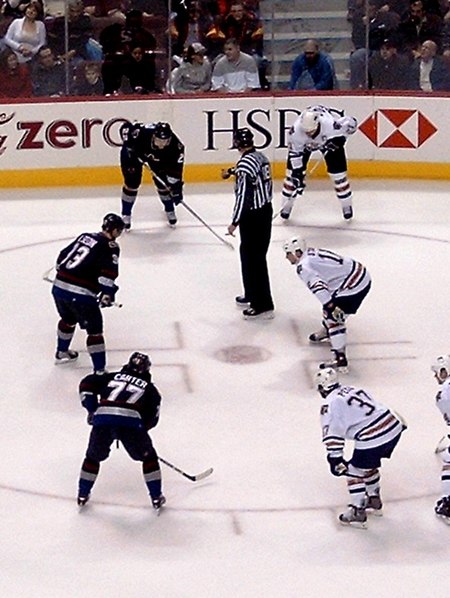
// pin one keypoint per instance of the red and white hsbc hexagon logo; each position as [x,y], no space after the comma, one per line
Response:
[403,129]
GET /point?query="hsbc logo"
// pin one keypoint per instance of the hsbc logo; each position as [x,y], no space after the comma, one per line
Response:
[401,129]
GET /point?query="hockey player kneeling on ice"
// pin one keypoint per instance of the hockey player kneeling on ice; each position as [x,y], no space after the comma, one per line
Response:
[441,369]
[349,413]
[339,283]
[157,146]
[322,129]
[122,406]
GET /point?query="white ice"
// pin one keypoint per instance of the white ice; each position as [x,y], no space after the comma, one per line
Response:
[264,524]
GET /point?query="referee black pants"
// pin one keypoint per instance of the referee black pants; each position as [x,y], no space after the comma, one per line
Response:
[255,228]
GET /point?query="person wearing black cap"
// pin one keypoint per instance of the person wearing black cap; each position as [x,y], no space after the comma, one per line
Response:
[252,213]
[157,146]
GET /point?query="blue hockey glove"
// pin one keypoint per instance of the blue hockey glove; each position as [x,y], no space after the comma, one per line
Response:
[338,465]
[90,418]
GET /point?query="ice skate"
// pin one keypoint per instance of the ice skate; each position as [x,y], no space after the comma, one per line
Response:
[127,220]
[347,212]
[158,503]
[171,218]
[62,357]
[242,301]
[339,363]
[355,517]
[442,509]
[321,336]
[254,314]
[82,500]
[374,505]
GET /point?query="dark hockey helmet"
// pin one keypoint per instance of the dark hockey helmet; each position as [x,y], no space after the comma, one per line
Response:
[163,130]
[139,363]
[112,222]
[243,138]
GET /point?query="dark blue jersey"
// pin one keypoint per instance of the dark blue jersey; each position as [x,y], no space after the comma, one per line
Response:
[121,399]
[86,267]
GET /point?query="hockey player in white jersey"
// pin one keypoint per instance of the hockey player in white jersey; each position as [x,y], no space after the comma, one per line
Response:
[441,369]
[323,129]
[340,284]
[350,413]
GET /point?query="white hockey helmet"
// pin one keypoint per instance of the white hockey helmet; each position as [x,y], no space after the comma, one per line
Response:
[309,121]
[326,379]
[294,244]
[441,367]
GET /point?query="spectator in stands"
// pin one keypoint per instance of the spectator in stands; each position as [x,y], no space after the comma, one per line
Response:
[429,71]
[387,68]
[244,26]
[312,69]
[190,27]
[48,75]
[417,27]
[372,28]
[79,35]
[194,74]
[118,42]
[88,79]
[27,34]
[236,71]
[15,77]
[141,71]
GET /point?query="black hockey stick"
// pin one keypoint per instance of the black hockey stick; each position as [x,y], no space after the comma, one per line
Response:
[191,211]
[194,478]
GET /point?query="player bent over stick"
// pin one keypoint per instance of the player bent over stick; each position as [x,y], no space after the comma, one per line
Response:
[323,129]
[349,413]
[122,406]
[341,285]
[157,146]
[441,369]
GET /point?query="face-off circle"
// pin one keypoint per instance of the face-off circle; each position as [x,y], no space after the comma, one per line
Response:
[242,354]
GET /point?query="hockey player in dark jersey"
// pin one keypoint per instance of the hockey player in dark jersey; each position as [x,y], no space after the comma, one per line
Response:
[157,146]
[122,406]
[86,271]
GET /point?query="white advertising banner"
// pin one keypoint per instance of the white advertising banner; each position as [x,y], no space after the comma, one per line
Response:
[65,134]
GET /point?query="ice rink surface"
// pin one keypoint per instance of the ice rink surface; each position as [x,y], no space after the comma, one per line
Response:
[237,396]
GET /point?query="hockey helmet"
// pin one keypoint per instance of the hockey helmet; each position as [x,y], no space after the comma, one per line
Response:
[325,380]
[309,122]
[139,363]
[243,138]
[112,222]
[294,244]
[163,130]
[441,367]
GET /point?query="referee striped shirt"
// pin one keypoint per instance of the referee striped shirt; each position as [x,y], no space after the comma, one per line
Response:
[253,187]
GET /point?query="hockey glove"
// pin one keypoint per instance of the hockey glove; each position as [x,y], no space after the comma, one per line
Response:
[176,192]
[90,418]
[333,312]
[338,465]
[107,295]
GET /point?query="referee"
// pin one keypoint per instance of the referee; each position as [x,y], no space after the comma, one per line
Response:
[252,213]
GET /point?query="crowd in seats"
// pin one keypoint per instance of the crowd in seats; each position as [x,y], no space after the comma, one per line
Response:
[408,45]
[116,47]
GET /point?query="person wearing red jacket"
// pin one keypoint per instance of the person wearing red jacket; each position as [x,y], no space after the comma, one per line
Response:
[15,77]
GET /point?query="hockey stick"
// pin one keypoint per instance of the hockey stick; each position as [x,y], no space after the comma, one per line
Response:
[308,174]
[194,478]
[46,276]
[191,211]
[442,445]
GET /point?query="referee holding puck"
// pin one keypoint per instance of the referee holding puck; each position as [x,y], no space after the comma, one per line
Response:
[252,213]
